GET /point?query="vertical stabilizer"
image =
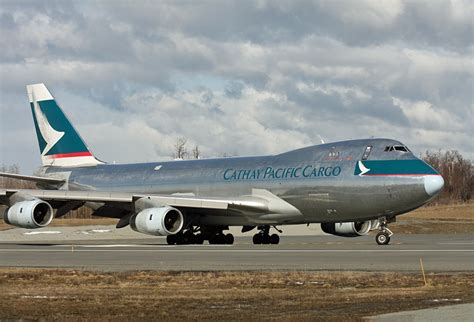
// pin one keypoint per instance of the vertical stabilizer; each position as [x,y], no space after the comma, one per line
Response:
[59,142]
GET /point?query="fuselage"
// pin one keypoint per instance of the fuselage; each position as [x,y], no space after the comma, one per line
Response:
[335,182]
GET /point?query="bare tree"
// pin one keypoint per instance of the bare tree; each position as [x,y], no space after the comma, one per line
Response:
[14,183]
[196,152]
[457,173]
[180,151]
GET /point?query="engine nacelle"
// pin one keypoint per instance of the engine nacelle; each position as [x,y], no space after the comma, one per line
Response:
[347,229]
[374,224]
[162,221]
[34,213]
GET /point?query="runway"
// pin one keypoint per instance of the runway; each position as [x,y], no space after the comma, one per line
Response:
[438,252]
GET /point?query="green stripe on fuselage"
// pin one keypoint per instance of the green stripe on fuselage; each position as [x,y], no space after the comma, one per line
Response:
[394,167]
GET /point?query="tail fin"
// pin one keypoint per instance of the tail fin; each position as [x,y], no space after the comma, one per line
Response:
[59,142]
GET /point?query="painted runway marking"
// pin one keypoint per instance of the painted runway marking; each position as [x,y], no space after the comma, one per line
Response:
[295,251]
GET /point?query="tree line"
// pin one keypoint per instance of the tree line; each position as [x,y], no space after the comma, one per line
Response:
[458,175]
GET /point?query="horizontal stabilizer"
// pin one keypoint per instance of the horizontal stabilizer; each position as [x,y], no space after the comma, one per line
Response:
[32,178]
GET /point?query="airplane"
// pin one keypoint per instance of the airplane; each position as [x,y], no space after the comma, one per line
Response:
[348,187]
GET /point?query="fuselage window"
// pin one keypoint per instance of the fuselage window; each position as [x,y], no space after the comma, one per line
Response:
[334,154]
[367,152]
[151,216]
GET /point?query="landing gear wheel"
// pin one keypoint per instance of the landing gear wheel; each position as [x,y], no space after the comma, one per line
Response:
[257,239]
[171,239]
[274,239]
[229,239]
[265,239]
[188,238]
[382,238]
[199,239]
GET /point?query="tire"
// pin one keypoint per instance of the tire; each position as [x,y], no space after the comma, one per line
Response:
[179,238]
[212,240]
[229,239]
[257,239]
[382,238]
[198,239]
[265,239]
[274,239]
[218,239]
[188,238]
[171,239]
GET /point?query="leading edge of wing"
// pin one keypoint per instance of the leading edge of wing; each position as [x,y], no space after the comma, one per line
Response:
[249,203]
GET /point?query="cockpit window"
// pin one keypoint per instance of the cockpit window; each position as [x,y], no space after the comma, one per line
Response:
[367,152]
[401,148]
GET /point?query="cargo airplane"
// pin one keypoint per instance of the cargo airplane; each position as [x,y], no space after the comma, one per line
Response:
[349,187]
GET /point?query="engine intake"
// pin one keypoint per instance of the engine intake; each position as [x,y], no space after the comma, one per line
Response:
[162,221]
[347,229]
[34,213]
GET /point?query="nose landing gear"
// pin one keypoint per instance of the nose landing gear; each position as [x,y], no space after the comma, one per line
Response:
[383,236]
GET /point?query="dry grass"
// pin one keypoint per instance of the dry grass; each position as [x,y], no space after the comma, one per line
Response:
[464,212]
[444,219]
[73,295]
[72,222]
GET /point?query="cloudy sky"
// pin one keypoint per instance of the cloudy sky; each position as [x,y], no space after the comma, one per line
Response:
[240,78]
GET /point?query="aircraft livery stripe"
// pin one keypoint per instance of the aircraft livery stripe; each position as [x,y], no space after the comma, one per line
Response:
[393,168]
[401,175]
[70,155]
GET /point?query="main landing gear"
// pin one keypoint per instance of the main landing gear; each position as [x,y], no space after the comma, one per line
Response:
[264,237]
[383,236]
[187,237]
[197,236]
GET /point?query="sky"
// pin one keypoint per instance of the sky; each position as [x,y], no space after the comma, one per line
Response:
[238,77]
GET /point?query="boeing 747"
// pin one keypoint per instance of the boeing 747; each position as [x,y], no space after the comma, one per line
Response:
[349,187]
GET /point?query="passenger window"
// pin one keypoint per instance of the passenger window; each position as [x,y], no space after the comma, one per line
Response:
[367,152]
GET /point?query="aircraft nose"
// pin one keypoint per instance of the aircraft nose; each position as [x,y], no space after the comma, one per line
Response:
[433,184]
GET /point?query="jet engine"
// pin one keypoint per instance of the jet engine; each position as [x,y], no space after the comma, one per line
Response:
[347,229]
[374,224]
[34,213]
[162,221]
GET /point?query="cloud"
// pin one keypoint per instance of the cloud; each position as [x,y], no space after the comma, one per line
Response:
[239,77]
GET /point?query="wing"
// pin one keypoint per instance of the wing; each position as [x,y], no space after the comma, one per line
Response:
[109,203]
